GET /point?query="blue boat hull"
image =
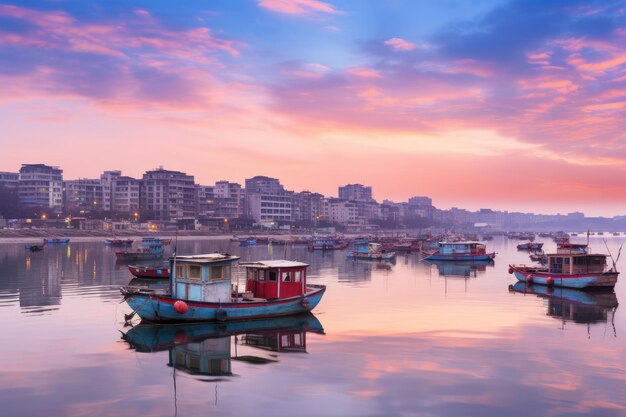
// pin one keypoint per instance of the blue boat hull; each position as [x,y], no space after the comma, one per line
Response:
[56,241]
[160,308]
[577,281]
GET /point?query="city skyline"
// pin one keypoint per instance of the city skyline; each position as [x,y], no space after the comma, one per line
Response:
[104,178]
[512,105]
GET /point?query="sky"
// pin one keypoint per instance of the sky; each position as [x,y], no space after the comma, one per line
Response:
[511,105]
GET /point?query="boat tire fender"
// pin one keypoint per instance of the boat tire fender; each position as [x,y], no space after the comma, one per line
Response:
[305,303]
[221,315]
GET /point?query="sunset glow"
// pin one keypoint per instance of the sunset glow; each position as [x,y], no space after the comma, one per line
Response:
[512,105]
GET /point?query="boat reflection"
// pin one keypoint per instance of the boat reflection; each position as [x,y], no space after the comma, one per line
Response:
[577,306]
[206,349]
[463,269]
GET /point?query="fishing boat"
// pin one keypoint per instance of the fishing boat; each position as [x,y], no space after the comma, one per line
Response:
[34,248]
[154,241]
[201,290]
[327,244]
[533,246]
[570,267]
[149,271]
[57,241]
[248,242]
[141,254]
[372,251]
[461,251]
[118,242]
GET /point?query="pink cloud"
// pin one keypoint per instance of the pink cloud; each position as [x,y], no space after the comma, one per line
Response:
[363,72]
[399,44]
[298,7]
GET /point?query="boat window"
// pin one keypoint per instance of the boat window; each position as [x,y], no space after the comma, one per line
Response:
[216,272]
[297,276]
[251,274]
[597,261]
[272,275]
[286,277]
[566,261]
[181,271]
[579,260]
[195,272]
[261,275]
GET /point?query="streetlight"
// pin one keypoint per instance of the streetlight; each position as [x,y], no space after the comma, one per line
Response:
[44,216]
[136,215]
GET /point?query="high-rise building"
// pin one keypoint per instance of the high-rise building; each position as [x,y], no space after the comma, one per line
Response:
[125,195]
[83,195]
[168,195]
[229,199]
[41,186]
[356,192]
[107,180]
[267,201]
[308,207]
[205,201]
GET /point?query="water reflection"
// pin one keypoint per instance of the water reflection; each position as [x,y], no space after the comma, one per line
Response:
[567,304]
[462,269]
[206,349]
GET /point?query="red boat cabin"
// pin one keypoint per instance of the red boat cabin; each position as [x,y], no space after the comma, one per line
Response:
[275,279]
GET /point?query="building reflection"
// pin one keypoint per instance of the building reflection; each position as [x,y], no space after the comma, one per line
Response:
[570,305]
[40,279]
[208,349]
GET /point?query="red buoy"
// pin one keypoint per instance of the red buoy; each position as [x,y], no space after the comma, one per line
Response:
[180,307]
[510,270]
[549,281]
[529,279]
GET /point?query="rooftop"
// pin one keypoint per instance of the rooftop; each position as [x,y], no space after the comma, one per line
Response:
[207,257]
[279,263]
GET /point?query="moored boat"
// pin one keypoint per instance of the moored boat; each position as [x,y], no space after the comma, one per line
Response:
[57,241]
[149,271]
[569,267]
[363,249]
[461,251]
[201,290]
[118,242]
[141,254]
[34,248]
[535,246]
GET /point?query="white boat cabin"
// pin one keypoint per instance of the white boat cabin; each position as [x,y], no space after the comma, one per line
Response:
[204,278]
[575,263]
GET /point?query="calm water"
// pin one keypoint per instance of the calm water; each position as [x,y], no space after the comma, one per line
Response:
[410,339]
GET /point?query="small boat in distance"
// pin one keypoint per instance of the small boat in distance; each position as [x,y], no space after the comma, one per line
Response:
[572,267]
[461,251]
[534,246]
[57,241]
[149,271]
[201,290]
[141,254]
[34,248]
[372,251]
[118,242]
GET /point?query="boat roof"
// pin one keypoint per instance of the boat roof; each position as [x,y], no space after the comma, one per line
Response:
[278,263]
[579,254]
[207,257]
[461,243]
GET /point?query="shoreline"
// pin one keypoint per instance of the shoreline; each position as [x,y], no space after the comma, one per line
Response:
[37,235]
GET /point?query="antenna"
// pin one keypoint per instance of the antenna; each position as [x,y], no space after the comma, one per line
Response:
[613,260]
